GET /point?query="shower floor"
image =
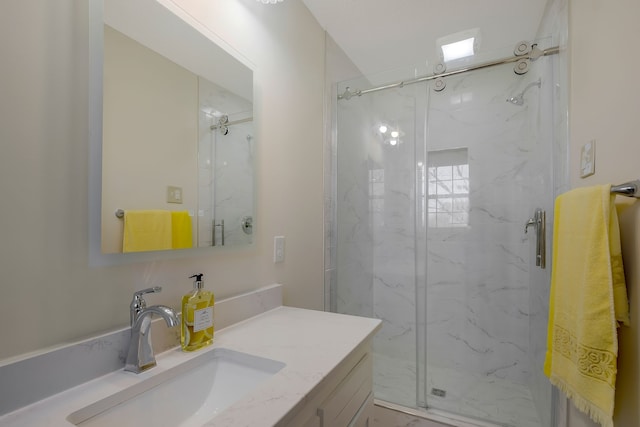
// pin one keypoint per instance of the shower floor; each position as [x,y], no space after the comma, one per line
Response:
[489,399]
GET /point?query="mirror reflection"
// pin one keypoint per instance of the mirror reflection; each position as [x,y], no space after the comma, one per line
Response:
[178,143]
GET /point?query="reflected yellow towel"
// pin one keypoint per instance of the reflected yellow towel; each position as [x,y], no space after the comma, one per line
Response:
[148,230]
[182,237]
[588,299]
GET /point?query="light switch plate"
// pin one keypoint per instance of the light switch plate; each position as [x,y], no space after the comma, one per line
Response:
[278,249]
[588,159]
[174,194]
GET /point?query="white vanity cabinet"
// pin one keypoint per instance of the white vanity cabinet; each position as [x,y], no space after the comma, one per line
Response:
[344,398]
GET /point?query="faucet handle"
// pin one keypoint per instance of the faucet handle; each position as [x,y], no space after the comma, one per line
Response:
[138,294]
[138,303]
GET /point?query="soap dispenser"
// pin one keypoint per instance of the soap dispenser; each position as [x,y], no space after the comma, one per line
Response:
[197,317]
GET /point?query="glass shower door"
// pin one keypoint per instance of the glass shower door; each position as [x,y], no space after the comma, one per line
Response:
[486,172]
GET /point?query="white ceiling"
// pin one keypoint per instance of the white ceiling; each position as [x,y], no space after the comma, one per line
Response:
[381,35]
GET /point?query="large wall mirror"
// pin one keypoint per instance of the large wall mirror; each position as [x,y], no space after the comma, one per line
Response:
[177,135]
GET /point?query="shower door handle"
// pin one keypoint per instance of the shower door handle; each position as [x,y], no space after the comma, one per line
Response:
[213,231]
[539,221]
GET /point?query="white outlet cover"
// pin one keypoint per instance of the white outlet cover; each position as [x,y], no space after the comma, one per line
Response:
[174,194]
[278,249]
[588,159]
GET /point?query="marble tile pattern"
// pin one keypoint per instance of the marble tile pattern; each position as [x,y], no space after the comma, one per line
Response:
[485,303]
[310,343]
[37,376]
[225,166]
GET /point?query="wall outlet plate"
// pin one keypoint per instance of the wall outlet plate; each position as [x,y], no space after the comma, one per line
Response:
[278,249]
[174,194]
[588,159]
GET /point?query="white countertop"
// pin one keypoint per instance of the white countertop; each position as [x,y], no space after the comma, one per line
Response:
[310,343]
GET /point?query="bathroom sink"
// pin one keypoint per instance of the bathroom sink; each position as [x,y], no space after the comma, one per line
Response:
[190,394]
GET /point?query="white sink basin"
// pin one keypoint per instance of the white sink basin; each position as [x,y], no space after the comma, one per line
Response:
[189,394]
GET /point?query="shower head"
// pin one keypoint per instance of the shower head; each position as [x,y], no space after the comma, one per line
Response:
[519,98]
[516,100]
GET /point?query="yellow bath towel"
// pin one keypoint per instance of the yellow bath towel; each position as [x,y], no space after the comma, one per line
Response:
[182,237]
[588,299]
[146,230]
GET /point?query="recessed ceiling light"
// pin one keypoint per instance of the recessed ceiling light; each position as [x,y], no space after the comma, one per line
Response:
[382,129]
[395,134]
[393,142]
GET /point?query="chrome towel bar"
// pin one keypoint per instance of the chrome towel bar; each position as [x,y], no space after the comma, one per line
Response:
[629,189]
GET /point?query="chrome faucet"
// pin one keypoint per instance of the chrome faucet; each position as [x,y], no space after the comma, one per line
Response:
[140,356]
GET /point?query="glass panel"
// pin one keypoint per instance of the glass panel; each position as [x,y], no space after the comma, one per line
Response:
[376,230]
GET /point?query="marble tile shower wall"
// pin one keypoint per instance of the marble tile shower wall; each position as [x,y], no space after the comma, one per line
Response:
[225,165]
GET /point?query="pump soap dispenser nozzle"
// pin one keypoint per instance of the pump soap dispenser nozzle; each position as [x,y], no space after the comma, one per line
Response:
[197,284]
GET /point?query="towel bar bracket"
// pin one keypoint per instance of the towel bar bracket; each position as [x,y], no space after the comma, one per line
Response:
[629,189]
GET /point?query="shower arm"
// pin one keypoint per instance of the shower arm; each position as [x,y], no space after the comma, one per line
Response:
[530,85]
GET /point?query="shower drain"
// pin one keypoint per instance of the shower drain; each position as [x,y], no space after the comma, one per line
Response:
[439,392]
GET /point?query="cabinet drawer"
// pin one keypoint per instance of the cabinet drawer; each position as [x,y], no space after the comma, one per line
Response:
[364,417]
[347,399]
[313,422]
